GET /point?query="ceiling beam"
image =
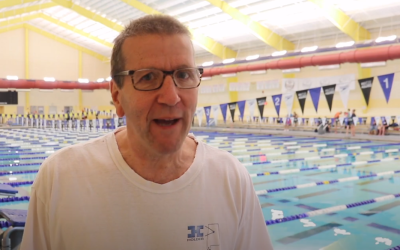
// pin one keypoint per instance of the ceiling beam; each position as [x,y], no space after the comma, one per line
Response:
[57,22]
[260,31]
[205,42]
[20,19]
[56,38]
[66,42]
[88,14]
[75,30]
[11,3]
[342,21]
[24,10]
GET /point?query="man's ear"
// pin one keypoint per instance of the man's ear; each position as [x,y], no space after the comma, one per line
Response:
[116,97]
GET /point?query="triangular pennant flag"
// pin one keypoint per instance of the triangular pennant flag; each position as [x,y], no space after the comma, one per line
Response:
[355,121]
[323,120]
[301,96]
[344,90]
[398,119]
[241,105]
[199,114]
[277,99]
[341,119]
[378,119]
[315,94]
[373,120]
[292,120]
[232,109]
[261,103]
[289,97]
[388,119]
[251,107]
[214,110]
[366,86]
[311,121]
[386,82]
[329,92]
[207,111]
[223,110]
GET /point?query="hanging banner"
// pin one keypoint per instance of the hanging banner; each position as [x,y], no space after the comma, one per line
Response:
[301,96]
[251,107]
[386,82]
[366,86]
[261,103]
[199,114]
[329,92]
[207,111]
[277,99]
[232,109]
[315,94]
[241,105]
[289,102]
[214,110]
[223,110]
[323,120]
[398,119]
[344,91]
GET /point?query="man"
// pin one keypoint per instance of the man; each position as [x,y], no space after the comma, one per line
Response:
[147,185]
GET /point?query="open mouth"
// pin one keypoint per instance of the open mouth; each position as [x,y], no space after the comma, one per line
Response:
[166,122]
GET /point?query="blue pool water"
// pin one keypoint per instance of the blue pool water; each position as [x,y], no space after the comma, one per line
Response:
[302,183]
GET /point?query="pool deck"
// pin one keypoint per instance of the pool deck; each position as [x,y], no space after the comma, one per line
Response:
[361,137]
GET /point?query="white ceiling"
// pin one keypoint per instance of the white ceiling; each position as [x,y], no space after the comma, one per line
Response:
[299,21]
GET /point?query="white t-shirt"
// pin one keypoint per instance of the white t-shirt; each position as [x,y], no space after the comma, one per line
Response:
[87,197]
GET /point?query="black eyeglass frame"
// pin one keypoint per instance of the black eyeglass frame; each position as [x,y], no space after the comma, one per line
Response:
[165,73]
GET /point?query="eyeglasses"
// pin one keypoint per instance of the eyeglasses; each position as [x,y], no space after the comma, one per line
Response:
[152,79]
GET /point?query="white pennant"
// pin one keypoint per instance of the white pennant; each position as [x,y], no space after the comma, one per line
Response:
[388,119]
[323,121]
[341,119]
[378,120]
[214,111]
[355,120]
[199,113]
[311,121]
[344,90]
[292,120]
[288,97]
[252,105]
[398,119]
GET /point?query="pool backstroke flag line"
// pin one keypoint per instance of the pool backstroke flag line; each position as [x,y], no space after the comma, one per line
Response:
[251,104]
[289,97]
[261,103]
[366,86]
[207,111]
[386,82]
[223,110]
[214,110]
[199,114]
[315,94]
[277,99]
[241,105]
[344,91]
[232,109]
[329,92]
[301,96]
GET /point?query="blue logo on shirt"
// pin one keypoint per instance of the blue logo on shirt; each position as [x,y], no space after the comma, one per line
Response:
[195,231]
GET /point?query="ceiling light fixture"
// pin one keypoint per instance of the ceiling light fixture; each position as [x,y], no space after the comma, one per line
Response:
[345,44]
[279,53]
[230,60]
[309,49]
[253,57]
[206,64]
[386,39]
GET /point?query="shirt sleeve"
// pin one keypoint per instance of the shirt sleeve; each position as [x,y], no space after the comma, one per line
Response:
[253,233]
[36,232]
